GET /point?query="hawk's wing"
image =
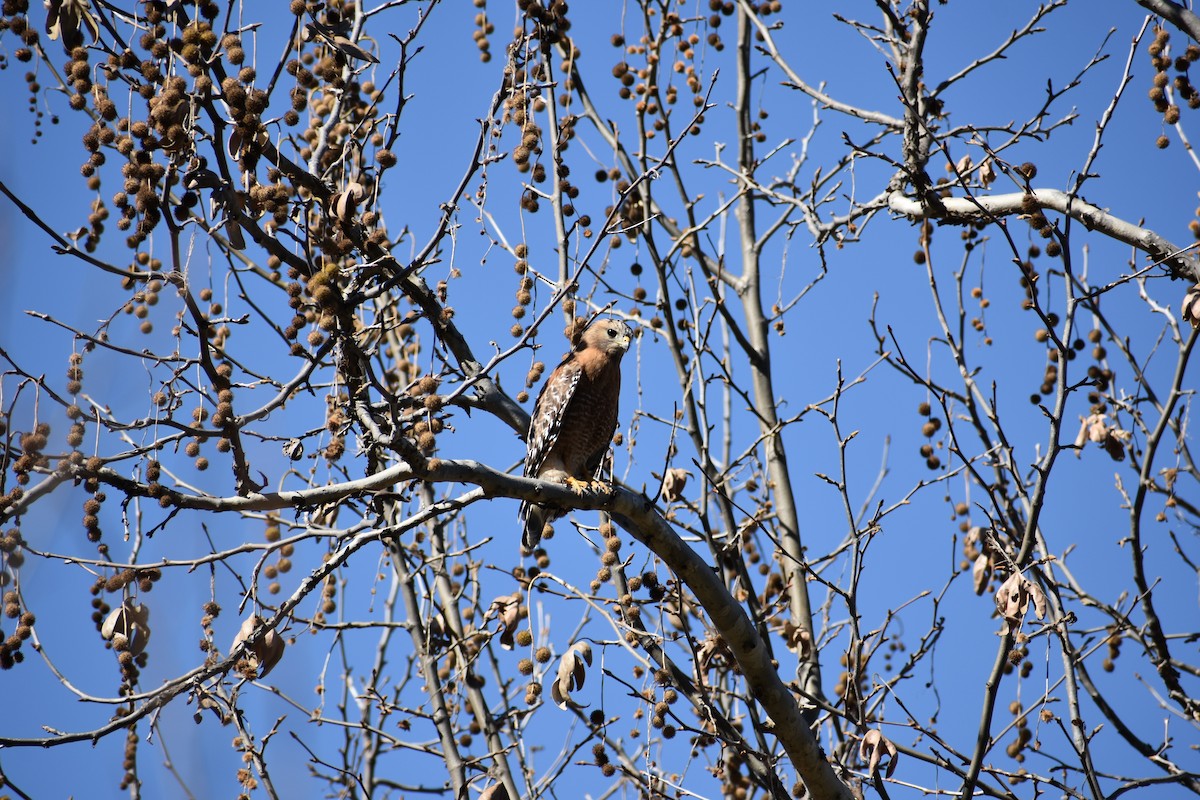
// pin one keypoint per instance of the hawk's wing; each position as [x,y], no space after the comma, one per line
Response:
[544,428]
[548,414]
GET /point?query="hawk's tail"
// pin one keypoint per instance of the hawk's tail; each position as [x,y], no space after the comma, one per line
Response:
[535,519]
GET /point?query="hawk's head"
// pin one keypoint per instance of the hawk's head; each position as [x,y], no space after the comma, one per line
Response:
[611,336]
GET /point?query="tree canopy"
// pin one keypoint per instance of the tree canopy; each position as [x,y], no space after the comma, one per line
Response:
[901,500]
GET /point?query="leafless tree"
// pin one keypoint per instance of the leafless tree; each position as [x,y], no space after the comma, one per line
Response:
[303,437]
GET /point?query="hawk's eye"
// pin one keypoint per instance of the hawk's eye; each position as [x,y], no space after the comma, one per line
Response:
[612,332]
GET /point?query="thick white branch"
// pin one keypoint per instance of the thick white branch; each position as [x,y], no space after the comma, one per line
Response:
[1180,16]
[1091,216]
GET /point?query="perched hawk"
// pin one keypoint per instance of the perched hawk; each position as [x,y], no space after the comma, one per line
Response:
[574,418]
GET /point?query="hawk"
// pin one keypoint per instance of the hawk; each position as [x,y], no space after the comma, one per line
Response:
[574,418]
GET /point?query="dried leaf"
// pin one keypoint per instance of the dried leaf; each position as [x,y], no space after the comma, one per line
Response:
[1081,437]
[713,651]
[1012,601]
[231,202]
[1097,428]
[335,37]
[1191,306]
[351,49]
[233,232]
[981,572]
[293,449]
[63,19]
[265,652]
[272,647]
[1170,475]
[973,543]
[987,173]
[1114,448]
[130,622]
[1039,598]
[234,145]
[1100,429]
[325,515]
[201,178]
[799,640]
[508,611]
[343,206]
[572,671]
[1103,431]
[673,483]
[873,747]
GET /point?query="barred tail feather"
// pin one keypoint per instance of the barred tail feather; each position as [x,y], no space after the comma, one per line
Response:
[535,519]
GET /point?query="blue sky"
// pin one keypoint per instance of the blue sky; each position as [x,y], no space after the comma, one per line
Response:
[450,90]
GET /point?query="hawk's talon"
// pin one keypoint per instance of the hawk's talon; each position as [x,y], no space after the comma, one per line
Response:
[577,486]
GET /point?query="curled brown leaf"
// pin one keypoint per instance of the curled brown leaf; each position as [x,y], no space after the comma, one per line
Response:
[799,640]
[265,651]
[335,37]
[64,18]
[873,747]
[673,483]
[508,610]
[981,572]
[987,173]
[344,205]
[1103,431]
[572,671]
[1039,598]
[128,621]
[230,201]
[1013,598]
[1191,306]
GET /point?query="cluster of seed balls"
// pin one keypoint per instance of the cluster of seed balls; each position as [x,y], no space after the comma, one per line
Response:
[10,648]
[1024,736]
[639,84]
[1163,85]
[144,579]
